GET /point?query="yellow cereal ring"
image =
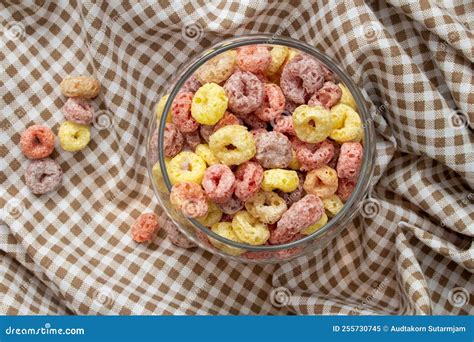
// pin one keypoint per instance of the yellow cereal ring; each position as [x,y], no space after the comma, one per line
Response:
[203,151]
[312,124]
[225,230]
[249,230]
[73,137]
[316,226]
[278,54]
[284,180]
[332,205]
[266,206]
[321,182]
[351,127]
[213,216]
[347,97]
[158,176]
[218,69]
[233,144]
[209,104]
[159,110]
[295,163]
[186,167]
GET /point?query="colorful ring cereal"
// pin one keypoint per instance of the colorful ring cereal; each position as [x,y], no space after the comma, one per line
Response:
[332,204]
[245,92]
[225,230]
[78,110]
[232,206]
[274,150]
[175,236]
[218,69]
[253,58]
[268,207]
[192,139]
[346,97]
[203,151]
[219,183]
[213,216]
[190,199]
[350,160]
[316,226]
[248,178]
[283,123]
[181,112]
[351,127]
[43,175]
[312,156]
[173,140]
[227,120]
[209,104]
[284,180]
[191,85]
[205,131]
[312,124]
[345,188]
[145,227]
[321,182]
[232,145]
[80,86]
[249,230]
[73,137]
[186,167]
[37,142]
[278,54]
[294,196]
[273,103]
[327,96]
[254,122]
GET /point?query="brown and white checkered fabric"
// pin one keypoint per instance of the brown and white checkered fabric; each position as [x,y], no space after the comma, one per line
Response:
[409,251]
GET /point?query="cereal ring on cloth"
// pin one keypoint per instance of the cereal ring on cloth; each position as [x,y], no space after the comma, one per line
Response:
[301,77]
[321,182]
[245,92]
[190,199]
[181,112]
[73,137]
[284,180]
[249,230]
[37,142]
[274,150]
[312,156]
[225,230]
[209,104]
[214,215]
[43,175]
[316,226]
[249,177]
[232,145]
[348,126]
[145,227]
[278,53]
[328,96]
[175,236]
[300,216]
[173,140]
[78,110]
[232,206]
[253,58]
[350,160]
[219,183]
[266,206]
[218,69]
[85,87]
[312,124]
[273,103]
[186,167]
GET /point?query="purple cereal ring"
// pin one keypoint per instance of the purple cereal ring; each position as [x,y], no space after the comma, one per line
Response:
[350,160]
[206,131]
[283,123]
[254,122]
[274,150]
[173,140]
[327,96]
[312,156]
[78,110]
[192,139]
[244,91]
[337,151]
[218,183]
[301,77]
[253,58]
[191,85]
[273,103]
[232,206]
[43,175]
[344,188]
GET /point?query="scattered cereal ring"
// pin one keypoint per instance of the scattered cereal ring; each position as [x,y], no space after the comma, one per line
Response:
[78,110]
[312,124]
[321,182]
[43,175]
[192,139]
[346,97]
[253,58]
[145,227]
[232,206]
[350,160]
[173,140]
[268,207]
[312,156]
[316,226]
[186,167]
[332,204]
[249,230]
[351,129]
[328,95]
[159,110]
[209,104]
[203,151]
[218,69]
[232,145]
[219,183]
[73,137]
[249,177]
[273,103]
[85,87]
[190,199]
[284,180]
[345,188]
[37,142]
[191,85]
[175,236]
[214,215]
[278,55]
[274,150]
[225,230]
[181,112]
[227,120]
[245,92]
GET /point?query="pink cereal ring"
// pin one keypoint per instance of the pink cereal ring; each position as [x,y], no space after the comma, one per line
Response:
[274,150]
[283,123]
[249,177]
[273,103]
[345,188]
[37,142]
[173,140]
[350,160]
[181,113]
[227,120]
[253,58]
[190,199]
[145,227]
[218,183]
[78,110]
[312,156]
[230,207]
[327,96]
[43,175]
[244,91]
[191,85]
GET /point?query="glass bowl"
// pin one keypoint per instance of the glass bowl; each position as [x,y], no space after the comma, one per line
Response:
[200,234]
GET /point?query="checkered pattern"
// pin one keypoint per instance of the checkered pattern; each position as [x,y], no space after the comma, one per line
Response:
[69,252]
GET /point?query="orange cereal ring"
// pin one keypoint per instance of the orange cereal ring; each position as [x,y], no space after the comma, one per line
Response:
[37,142]
[145,227]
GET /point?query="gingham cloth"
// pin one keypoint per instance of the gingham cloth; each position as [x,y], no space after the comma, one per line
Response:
[409,251]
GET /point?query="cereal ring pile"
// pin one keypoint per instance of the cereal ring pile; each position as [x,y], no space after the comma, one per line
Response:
[272,147]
